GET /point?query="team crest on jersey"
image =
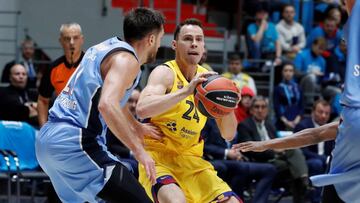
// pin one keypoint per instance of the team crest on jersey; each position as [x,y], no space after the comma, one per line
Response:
[180,84]
[171,125]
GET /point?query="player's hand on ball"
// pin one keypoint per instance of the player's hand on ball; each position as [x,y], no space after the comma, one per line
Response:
[199,78]
[148,129]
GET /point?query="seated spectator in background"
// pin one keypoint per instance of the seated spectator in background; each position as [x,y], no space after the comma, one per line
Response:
[235,73]
[27,53]
[257,128]
[311,66]
[316,155]
[17,102]
[264,39]
[116,147]
[335,71]
[243,110]
[287,100]
[202,61]
[329,31]
[291,33]
[56,77]
[234,168]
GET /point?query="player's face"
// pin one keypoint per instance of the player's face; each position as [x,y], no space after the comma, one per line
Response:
[71,40]
[155,46]
[18,76]
[189,46]
[259,110]
[288,72]
[321,114]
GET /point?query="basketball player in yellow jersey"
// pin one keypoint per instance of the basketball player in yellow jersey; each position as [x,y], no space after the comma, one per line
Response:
[181,173]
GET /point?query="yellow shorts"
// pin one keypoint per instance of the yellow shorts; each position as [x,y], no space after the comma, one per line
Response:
[195,176]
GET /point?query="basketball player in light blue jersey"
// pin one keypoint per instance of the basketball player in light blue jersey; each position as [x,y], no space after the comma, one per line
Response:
[71,146]
[342,183]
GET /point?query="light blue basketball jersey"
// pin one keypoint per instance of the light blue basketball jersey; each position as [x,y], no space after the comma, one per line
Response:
[80,97]
[71,145]
[351,94]
[344,171]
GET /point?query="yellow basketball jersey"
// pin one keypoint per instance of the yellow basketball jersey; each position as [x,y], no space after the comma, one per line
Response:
[182,124]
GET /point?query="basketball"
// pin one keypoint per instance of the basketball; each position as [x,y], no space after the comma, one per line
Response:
[216,97]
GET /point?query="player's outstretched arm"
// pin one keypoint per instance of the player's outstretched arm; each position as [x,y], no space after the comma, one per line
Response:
[119,71]
[227,126]
[154,99]
[303,138]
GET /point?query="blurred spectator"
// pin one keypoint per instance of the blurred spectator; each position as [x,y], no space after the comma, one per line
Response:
[257,128]
[242,111]
[316,155]
[329,31]
[235,73]
[17,102]
[56,77]
[291,33]
[234,168]
[335,71]
[311,65]
[287,100]
[264,41]
[202,61]
[116,147]
[27,53]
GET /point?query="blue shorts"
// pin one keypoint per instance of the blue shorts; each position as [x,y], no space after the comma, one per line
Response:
[76,175]
[344,171]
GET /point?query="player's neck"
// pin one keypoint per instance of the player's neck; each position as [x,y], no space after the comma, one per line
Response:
[188,70]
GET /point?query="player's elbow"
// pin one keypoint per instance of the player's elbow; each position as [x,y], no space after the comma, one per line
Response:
[104,107]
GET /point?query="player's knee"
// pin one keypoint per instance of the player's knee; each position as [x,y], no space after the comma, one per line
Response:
[171,194]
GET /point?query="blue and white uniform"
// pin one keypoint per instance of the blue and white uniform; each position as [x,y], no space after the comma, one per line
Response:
[71,146]
[344,171]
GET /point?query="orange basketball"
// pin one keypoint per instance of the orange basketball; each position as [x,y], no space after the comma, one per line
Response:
[216,97]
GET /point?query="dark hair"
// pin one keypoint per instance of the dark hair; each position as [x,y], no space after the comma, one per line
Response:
[320,41]
[285,6]
[189,21]
[234,57]
[287,63]
[320,101]
[141,21]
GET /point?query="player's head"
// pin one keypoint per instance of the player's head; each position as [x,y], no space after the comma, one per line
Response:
[235,65]
[321,112]
[288,71]
[18,76]
[189,41]
[145,24]
[131,103]
[259,108]
[28,49]
[71,39]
